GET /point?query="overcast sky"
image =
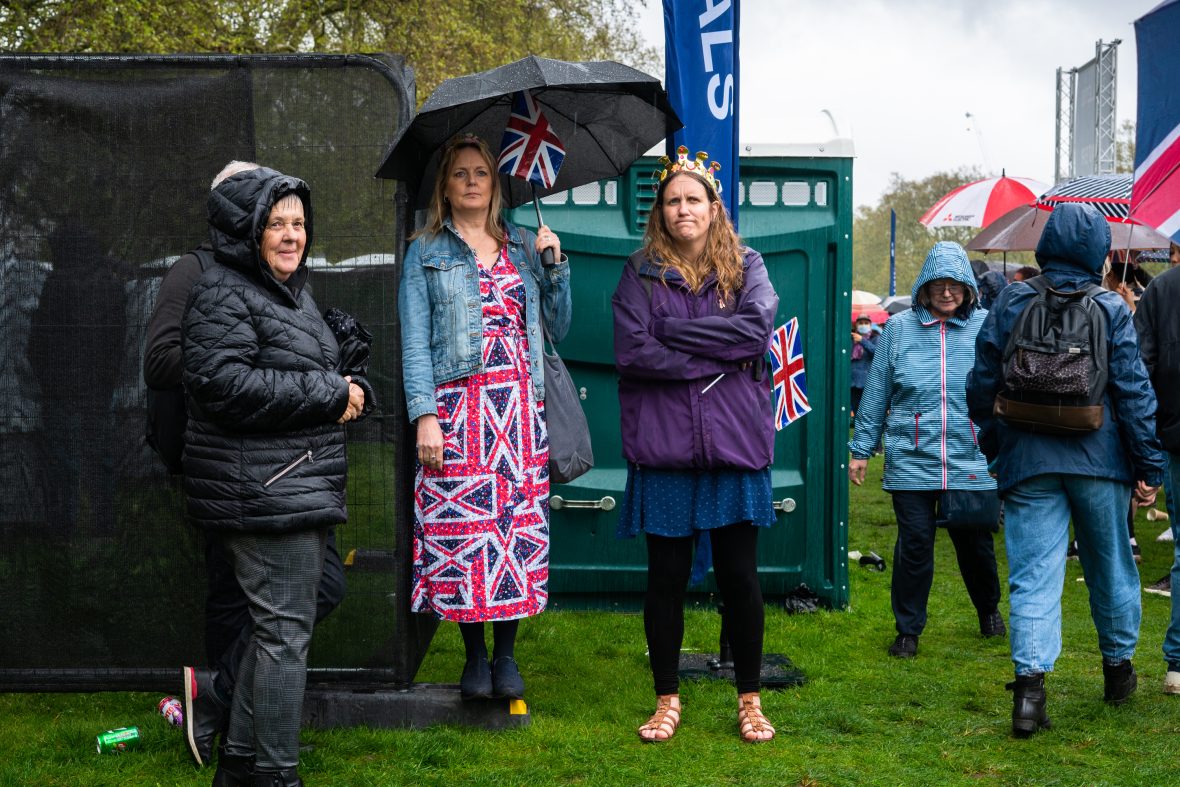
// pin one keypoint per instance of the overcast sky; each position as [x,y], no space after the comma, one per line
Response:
[899,77]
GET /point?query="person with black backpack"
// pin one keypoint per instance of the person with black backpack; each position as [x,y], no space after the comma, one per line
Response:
[1066,418]
[208,691]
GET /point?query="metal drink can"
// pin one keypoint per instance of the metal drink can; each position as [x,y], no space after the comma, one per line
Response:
[118,740]
[172,711]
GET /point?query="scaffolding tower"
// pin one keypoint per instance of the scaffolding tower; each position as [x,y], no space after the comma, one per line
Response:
[1087,108]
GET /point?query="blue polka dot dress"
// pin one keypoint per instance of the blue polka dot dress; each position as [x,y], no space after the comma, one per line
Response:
[679,503]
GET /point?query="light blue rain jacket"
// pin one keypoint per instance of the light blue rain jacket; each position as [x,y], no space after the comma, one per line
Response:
[915,392]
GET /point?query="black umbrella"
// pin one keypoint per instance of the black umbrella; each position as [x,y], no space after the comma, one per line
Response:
[606,115]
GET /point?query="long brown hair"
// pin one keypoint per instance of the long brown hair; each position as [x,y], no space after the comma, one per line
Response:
[439,208]
[723,248]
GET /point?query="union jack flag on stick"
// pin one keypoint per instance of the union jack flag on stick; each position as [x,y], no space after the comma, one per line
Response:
[790,379]
[530,150]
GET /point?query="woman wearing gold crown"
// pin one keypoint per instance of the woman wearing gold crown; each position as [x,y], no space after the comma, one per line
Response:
[693,315]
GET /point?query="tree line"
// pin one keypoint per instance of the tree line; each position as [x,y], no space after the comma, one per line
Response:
[439,39]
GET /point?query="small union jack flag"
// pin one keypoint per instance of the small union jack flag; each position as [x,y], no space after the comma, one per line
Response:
[530,149]
[790,378]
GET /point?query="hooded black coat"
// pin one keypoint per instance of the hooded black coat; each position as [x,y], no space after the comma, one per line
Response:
[263,452]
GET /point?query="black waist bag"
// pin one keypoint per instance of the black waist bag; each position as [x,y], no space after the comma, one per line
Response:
[968,509]
[1055,363]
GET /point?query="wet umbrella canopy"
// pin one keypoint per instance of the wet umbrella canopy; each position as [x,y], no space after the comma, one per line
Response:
[606,115]
[1020,230]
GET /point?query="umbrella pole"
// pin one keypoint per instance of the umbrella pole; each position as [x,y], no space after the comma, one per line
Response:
[547,255]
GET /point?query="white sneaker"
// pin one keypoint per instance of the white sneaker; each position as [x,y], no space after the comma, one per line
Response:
[1165,536]
[1172,683]
[1155,515]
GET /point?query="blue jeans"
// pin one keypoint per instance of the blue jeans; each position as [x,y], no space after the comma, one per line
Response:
[1172,637]
[1036,529]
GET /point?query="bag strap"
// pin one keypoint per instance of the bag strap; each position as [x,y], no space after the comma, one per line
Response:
[531,254]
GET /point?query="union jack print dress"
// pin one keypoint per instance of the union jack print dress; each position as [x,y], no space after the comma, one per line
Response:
[481,523]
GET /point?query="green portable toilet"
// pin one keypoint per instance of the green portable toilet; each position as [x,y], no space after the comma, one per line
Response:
[796,209]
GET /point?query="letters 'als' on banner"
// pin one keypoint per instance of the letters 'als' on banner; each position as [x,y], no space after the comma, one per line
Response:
[701,52]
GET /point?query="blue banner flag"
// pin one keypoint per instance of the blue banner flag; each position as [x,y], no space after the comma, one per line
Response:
[701,77]
[892,252]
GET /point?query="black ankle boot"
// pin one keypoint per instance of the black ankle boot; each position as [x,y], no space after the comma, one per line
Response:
[288,777]
[1119,682]
[234,770]
[1028,704]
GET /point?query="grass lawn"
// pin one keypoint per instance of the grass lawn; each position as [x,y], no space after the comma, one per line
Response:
[862,718]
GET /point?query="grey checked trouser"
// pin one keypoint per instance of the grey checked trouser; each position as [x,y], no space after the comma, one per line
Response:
[280,576]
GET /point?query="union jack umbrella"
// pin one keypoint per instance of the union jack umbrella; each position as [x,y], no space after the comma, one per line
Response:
[605,114]
[981,202]
[789,376]
[1156,198]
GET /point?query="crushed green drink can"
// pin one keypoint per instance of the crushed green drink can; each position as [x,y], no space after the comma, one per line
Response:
[117,741]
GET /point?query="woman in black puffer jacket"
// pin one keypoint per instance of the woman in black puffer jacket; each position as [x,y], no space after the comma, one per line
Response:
[264,452]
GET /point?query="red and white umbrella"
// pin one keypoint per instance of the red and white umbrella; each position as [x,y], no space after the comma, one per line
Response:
[982,202]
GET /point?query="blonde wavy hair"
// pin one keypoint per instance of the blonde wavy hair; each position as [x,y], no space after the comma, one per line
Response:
[723,248]
[439,209]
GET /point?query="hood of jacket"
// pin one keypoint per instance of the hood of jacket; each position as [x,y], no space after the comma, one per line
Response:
[947,260]
[1075,241]
[238,210]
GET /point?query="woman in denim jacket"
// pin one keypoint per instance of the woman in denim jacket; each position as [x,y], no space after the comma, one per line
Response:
[472,298]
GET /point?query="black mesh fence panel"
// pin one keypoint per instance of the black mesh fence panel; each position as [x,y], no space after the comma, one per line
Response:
[105,165]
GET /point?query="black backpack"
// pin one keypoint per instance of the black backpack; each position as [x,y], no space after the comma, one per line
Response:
[1056,363]
[167,414]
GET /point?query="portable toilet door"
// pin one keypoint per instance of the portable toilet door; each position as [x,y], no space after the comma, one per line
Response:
[796,209]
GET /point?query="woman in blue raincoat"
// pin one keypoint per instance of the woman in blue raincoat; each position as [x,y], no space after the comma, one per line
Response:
[915,396]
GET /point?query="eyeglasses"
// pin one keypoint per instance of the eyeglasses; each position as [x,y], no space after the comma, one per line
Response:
[953,287]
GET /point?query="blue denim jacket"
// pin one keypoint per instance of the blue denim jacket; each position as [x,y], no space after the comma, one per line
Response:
[442,318]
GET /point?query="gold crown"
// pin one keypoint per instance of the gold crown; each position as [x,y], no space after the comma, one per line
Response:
[698,166]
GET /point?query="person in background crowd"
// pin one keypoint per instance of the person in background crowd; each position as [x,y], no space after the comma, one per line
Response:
[1046,479]
[1026,272]
[473,297]
[864,343]
[693,315]
[914,398]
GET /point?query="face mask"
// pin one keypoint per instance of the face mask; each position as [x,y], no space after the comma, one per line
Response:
[863,330]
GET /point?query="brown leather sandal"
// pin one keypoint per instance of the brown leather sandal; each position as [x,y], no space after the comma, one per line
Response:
[663,723]
[753,725]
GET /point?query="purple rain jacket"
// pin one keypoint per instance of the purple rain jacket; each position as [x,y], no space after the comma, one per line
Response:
[670,345]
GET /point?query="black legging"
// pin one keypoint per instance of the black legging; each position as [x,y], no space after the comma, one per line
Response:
[735,565]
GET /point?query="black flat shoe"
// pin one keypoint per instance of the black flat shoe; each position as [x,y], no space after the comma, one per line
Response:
[476,683]
[991,624]
[506,679]
[905,646]
[234,770]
